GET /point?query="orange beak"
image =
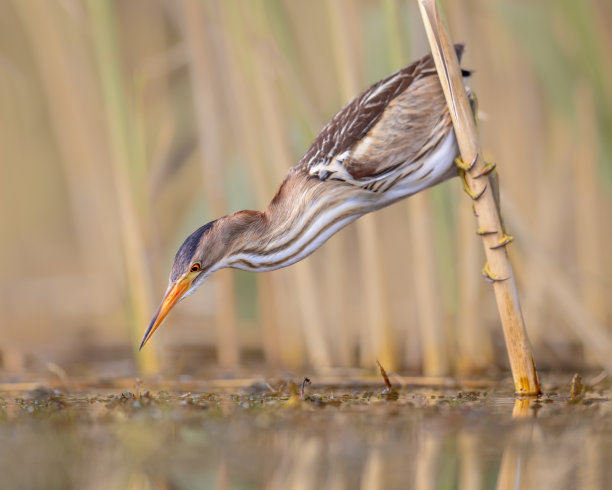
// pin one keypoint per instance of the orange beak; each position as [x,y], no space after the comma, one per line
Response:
[173,295]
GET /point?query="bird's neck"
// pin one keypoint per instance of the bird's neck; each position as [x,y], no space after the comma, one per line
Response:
[304,213]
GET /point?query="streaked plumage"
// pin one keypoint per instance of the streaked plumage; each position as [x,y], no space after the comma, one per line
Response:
[389,142]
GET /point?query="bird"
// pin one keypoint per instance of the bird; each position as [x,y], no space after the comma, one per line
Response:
[391,141]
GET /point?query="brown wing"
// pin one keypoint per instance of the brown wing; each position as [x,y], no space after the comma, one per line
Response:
[346,131]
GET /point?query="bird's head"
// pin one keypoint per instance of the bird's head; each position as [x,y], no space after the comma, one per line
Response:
[196,259]
[202,253]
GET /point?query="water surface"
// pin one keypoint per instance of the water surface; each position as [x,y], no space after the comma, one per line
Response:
[262,434]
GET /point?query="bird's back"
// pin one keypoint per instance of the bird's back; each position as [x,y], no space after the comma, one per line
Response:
[375,138]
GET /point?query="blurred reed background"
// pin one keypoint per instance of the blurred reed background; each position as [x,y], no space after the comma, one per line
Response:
[124,125]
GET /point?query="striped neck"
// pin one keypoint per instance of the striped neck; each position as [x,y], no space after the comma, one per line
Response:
[303,215]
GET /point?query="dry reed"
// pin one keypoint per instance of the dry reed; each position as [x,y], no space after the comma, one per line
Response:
[208,112]
[498,267]
[125,123]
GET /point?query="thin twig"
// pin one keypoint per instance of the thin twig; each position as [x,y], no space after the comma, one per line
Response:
[305,383]
[383,373]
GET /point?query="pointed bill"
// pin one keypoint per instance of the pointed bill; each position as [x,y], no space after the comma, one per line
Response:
[174,293]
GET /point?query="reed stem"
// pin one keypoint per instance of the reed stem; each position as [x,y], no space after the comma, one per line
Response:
[376,335]
[121,143]
[208,113]
[282,340]
[485,207]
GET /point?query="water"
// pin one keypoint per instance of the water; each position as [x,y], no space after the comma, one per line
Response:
[261,436]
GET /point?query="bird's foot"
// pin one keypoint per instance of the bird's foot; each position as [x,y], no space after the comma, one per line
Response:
[486,170]
[465,166]
[490,276]
[505,240]
[473,195]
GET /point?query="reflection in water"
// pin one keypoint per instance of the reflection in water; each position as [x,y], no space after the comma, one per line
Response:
[424,440]
[514,459]
[524,408]
[372,475]
[427,459]
[471,472]
[556,451]
[299,465]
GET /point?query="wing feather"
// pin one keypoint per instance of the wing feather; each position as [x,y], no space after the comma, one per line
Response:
[385,126]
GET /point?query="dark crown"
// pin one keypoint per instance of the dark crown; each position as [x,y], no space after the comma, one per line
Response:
[184,256]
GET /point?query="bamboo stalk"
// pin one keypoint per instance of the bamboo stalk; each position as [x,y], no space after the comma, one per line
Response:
[517,343]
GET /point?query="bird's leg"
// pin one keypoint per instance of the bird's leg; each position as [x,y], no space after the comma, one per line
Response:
[465,166]
[490,276]
[473,195]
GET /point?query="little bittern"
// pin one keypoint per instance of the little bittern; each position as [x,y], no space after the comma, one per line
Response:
[389,142]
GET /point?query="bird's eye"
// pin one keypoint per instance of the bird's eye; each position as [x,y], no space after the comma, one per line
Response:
[195,267]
